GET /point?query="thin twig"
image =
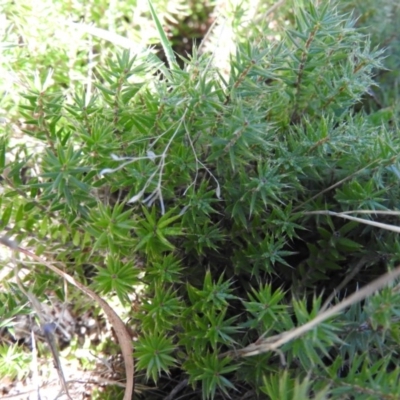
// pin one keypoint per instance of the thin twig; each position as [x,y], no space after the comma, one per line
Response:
[43,324]
[381,225]
[335,185]
[273,8]
[177,389]
[124,338]
[345,281]
[382,212]
[274,342]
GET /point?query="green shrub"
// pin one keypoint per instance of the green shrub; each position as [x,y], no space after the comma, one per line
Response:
[198,186]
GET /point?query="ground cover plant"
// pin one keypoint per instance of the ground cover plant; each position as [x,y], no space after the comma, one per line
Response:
[207,205]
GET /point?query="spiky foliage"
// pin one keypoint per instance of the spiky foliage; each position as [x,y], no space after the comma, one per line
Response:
[198,186]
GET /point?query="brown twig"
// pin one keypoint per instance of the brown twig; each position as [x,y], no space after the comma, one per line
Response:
[120,329]
[274,342]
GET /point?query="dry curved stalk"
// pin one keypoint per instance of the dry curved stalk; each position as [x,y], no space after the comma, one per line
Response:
[274,342]
[120,329]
